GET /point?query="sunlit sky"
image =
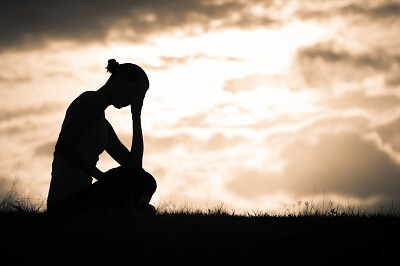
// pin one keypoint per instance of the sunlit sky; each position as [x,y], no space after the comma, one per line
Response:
[253,104]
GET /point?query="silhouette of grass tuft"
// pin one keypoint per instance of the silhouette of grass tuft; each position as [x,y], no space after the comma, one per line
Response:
[15,200]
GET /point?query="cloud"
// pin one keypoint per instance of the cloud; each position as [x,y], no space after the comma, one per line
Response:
[360,100]
[197,120]
[167,62]
[45,149]
[44,108]
[253,183]
[160,144]
[254,81]
[327,52]
[33,23]
[344,165]
[325,64]
[16,79]
[384,10]
[215,142]
[393,79]
[335,122]
[390,134]
[249,82]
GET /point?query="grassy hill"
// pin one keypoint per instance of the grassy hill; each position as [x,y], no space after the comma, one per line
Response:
[187,236]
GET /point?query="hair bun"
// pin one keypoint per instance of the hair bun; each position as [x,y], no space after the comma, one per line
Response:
[112,65]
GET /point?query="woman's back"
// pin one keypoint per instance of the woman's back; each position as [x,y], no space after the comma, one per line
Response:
[67,178]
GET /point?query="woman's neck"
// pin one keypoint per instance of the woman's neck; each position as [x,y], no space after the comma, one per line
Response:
[106,94]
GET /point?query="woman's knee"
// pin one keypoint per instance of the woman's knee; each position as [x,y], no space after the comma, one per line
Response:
[132,178]
[139,175]
[151,183]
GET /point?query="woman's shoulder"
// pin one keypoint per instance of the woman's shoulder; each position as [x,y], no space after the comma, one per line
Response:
[88,98]
[87,102]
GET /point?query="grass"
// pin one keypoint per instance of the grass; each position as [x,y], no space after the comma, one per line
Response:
[308,232]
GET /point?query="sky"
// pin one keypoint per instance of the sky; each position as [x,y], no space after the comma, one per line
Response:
[256,105]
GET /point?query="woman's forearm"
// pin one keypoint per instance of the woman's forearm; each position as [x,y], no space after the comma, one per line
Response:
[137,148]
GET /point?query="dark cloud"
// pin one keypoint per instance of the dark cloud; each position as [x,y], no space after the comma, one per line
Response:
[385,10]
[34,22]
[360,100]
[390,134]
[378,60]
[324,64]
[345,165]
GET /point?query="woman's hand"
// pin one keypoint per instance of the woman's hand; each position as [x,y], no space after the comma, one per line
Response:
[137,103]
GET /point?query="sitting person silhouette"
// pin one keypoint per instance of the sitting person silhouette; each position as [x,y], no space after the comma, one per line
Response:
[86,133]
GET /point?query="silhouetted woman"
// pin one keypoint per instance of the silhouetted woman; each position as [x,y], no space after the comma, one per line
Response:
[86,133]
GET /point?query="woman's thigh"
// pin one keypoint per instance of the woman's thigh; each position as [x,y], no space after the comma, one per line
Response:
[121,186]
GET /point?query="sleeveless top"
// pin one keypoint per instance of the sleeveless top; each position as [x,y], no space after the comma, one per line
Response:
[66,178]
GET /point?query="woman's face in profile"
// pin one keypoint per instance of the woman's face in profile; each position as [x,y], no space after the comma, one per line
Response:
[123,93]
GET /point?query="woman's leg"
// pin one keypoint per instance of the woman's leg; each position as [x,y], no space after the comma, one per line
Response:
[122,187]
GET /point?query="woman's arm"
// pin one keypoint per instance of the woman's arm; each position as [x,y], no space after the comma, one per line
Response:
[117,150]
[137,147]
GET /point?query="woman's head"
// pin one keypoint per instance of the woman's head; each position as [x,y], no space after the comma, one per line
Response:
[127,81]
[112,66]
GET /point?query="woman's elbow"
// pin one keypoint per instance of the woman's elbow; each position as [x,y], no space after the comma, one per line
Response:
[132,161]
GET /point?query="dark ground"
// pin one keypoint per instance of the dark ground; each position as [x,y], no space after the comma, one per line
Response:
[197,239]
